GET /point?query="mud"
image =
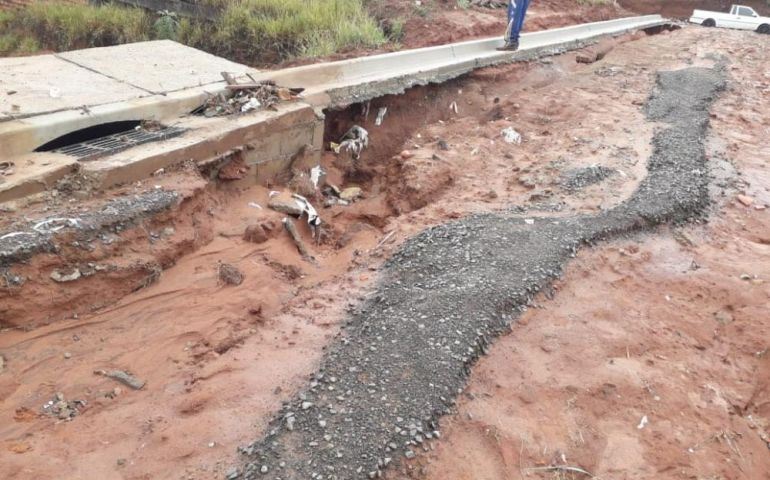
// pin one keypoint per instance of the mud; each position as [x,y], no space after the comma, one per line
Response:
[218,360]
[403,359]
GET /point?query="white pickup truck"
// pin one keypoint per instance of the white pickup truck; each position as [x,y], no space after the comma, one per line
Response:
[740,17]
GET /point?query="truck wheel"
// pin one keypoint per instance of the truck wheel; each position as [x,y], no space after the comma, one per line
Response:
[709,22]
[764,28]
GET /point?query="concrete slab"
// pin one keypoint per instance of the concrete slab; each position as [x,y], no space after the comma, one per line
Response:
[266,138]
[35,173]
[159,66]
[44,84]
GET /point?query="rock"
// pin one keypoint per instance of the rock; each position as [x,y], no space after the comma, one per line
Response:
[586,57]
[67,355]
[2,363]
[65,275]
[745,200]
[443,145]
[723,317]
[283,202]
[406,154]
[255,234]
[351,193]
[123,377]
[235,169]
[229,274]
[302,184]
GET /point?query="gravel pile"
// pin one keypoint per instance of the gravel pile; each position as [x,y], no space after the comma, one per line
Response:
[404,356]
[580,178]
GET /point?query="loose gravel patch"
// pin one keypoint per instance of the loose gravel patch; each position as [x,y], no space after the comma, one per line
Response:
[402,359]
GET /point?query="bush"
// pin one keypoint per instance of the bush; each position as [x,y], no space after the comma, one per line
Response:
[249,31]
[166,27]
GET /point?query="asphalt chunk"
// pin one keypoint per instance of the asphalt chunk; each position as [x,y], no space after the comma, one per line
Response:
[404,356]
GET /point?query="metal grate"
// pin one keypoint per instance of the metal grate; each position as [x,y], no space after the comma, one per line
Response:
[99,147]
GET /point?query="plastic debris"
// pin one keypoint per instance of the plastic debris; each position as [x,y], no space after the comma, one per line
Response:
[380,116]
[643,422]
[355,141]
[246,97]
[252,104]
[316,174]
[511,136]
[55,224]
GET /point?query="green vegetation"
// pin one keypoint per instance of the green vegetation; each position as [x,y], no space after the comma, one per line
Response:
[250,31]
[272,30]
[55,26]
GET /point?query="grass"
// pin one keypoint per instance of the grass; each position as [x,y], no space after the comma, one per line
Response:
[251,31]
[57,26]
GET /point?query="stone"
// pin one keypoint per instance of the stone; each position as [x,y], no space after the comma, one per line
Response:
[65,275]
[724,317]
[745,200]
[283,202]
[255,234]
[586,57]
[351,193]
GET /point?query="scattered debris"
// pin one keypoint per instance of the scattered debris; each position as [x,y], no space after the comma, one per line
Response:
[255,205]
[229,274]
[64,276]
[355,141]
[453,107]
[380,116]
[2,363]
[312,216]
[288,224]
[511,136]
[123,377]
[246,97]
[643,422]
[560,468]
[443,145]
[6,168]
[608,71]
[52,225]
[317,176]
[62,409]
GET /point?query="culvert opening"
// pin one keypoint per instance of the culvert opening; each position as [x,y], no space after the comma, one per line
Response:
[107,138]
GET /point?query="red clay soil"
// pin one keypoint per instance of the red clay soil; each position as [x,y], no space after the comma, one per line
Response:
[671,326]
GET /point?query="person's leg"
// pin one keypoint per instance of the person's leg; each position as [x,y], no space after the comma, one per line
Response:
[516,11]
[518,21]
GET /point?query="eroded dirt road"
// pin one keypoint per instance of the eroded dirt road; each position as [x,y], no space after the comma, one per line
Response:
[661,326]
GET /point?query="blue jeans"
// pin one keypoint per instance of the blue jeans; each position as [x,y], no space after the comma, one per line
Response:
[517,9]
